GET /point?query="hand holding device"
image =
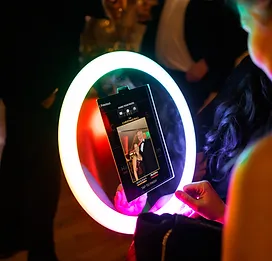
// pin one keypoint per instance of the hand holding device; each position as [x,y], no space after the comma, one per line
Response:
[134,208]
[202,198]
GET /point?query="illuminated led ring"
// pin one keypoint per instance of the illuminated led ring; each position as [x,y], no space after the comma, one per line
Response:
[74,98]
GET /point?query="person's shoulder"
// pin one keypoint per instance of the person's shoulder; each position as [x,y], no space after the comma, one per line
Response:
[266,141]
[255,163]
[261,150]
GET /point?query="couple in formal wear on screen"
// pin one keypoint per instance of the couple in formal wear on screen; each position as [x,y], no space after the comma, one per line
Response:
[144,159]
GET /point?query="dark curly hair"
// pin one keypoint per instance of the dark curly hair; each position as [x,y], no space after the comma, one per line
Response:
[242,119]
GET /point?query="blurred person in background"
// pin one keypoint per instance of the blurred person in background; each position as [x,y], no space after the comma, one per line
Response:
[197,42]
[119,29]
[47,50]
[249,209]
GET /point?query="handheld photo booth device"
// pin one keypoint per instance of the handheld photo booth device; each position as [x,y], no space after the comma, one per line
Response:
[134,133]
[134,112]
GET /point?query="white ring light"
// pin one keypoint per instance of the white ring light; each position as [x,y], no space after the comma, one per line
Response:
[74,98]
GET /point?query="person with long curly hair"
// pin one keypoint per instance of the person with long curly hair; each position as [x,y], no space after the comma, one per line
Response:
[247,231]
[242,117]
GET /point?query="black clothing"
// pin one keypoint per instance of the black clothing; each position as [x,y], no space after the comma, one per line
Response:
[213,33]
[47,53]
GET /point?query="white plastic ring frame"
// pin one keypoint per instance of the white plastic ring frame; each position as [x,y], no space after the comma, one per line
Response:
[74,98]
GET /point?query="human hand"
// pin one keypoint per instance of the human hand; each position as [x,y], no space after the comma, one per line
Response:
[202,198]
[185,210]
[197,71]
[201,165]
[134,208]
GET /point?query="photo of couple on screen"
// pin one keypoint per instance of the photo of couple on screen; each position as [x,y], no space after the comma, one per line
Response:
[138,149]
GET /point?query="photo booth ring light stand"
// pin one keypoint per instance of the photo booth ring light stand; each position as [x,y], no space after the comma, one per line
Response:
[71,107]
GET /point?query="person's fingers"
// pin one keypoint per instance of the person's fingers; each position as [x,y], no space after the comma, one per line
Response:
[194,215]
[142,199]
[120,187]
[124,210]
[124,201]
[187,199]
[117,198]
[193,189]
[185,210]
